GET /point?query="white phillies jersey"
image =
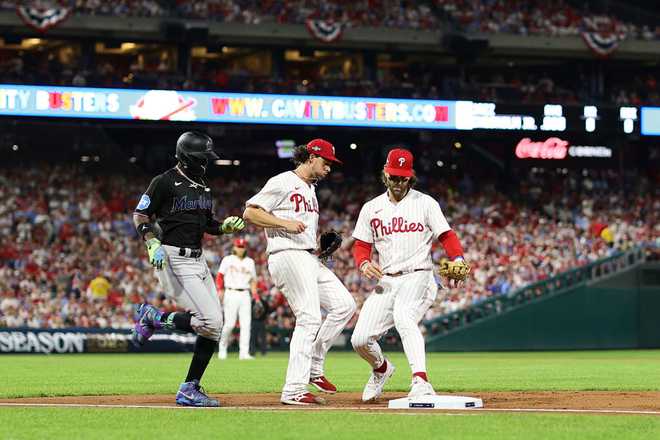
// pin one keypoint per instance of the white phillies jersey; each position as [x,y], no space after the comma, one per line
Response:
[402,233]
[237,272]
[289,197]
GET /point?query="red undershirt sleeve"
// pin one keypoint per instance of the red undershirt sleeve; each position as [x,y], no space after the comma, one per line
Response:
[452,245]
[361,252]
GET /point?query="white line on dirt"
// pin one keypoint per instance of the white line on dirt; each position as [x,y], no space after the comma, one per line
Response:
[345,408]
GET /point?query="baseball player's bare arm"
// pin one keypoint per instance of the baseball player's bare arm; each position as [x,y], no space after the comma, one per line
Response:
[259,217]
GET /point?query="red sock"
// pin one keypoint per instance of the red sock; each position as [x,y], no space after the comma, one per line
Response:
[421,374]
[382,368]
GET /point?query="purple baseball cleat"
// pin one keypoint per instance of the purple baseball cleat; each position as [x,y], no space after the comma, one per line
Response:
[192,394]
[147,321]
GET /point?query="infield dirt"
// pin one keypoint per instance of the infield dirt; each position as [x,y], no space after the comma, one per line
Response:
[556,400]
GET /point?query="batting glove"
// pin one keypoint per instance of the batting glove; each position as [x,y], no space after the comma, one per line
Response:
[232,224]
[156,253]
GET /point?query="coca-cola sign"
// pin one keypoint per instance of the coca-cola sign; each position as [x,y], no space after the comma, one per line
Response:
[551,148]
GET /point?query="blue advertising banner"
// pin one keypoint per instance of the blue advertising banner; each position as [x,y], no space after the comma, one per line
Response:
[171,105]
[651,121]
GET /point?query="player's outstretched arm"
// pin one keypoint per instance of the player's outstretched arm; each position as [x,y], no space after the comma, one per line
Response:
[263,219]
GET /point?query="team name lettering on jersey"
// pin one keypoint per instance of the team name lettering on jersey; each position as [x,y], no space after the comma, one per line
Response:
[395,225]
[183,204]
[288,197]
[303,204]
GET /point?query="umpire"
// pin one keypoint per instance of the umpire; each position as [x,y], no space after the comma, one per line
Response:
[179,202]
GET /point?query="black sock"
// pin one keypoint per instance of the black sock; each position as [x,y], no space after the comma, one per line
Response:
[179,321]
[182,322]
[204,348]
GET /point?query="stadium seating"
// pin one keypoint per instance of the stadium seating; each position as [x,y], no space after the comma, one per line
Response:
[70,255]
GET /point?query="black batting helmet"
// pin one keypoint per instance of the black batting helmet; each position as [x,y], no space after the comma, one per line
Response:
[194,150]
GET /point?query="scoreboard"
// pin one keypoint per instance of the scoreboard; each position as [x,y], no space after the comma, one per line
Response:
[551,118]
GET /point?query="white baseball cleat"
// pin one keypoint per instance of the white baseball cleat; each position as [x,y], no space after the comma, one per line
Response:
[420,387]
[374,387]
[304,398]
[245,357]
[222,354]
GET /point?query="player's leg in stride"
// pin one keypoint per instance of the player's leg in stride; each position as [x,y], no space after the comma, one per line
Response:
[177,256]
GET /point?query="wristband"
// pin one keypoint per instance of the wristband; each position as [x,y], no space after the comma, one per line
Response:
[144,228]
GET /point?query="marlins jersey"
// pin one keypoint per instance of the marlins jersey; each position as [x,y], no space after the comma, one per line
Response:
[182,208]
[402,232]
[237,272]
[289,197]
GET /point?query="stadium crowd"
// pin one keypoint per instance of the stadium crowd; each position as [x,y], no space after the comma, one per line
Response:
[69,255]
[417,81]
[523,17]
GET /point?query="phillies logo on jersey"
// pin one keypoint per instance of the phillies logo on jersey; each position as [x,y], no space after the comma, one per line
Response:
[303,205]
[395,225]
[238,269]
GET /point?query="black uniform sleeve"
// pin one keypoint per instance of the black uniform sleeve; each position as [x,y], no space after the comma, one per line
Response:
[212,226]
[154,196]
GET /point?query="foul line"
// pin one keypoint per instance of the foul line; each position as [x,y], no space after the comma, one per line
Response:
[345,408]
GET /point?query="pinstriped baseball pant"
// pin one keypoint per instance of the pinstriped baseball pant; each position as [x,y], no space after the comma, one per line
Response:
[309,285]
[403,303]
[190,283]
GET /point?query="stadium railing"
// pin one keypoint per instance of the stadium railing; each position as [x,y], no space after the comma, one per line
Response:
[558,284]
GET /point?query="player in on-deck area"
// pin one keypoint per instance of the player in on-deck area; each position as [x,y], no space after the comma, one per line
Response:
[237,284]
[288,209]
[401,224]
[179,202]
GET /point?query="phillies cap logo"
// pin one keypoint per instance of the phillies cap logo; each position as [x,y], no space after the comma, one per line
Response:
[402,160]
[316,148]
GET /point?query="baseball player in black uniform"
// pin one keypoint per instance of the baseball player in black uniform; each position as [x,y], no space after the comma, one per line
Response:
[179,201]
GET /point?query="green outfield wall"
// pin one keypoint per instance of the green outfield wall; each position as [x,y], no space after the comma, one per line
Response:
[621,310]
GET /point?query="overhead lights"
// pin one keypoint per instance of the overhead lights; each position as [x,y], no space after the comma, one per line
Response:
[227,162]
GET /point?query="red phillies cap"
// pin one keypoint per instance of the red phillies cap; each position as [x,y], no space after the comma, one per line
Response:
[240,242]
[323,148]
[399,163]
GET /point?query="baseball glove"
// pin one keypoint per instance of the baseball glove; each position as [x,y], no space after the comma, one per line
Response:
[455,270]
[330,242]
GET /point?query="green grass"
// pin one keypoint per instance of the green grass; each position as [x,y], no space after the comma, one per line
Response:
[35,375]
[53,375]
[170,424]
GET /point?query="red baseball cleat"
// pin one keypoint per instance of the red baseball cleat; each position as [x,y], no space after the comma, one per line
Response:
[302,399]
[322,384]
